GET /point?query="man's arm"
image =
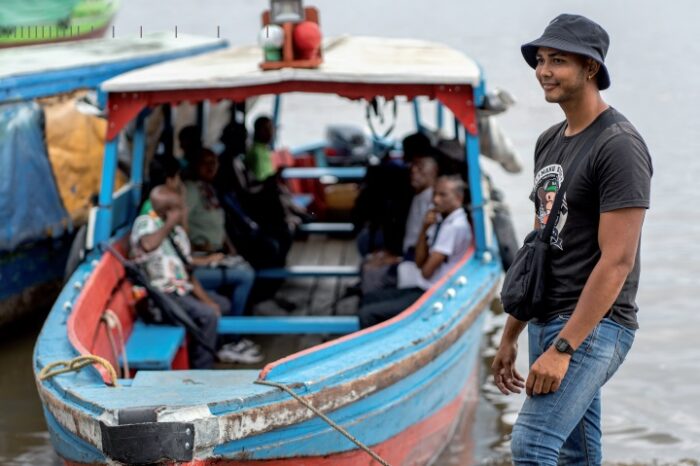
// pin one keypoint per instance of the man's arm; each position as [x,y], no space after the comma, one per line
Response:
[505,375]
[422,244]
[618,238]
[152,241]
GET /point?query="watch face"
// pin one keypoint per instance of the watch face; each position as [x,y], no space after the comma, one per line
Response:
[563,346]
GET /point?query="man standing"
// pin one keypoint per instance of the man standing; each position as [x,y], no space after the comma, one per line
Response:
[587,323]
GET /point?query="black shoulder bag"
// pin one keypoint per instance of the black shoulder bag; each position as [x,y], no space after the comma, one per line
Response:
[524,285]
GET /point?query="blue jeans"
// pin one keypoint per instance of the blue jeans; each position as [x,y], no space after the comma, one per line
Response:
[564,427]
[240,276]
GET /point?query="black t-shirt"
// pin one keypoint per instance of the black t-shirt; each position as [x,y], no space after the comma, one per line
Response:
[616,175]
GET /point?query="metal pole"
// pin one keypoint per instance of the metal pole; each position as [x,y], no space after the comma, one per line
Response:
[103,222]
[440,116]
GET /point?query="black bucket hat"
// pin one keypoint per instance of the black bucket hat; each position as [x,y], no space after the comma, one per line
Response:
[574,34]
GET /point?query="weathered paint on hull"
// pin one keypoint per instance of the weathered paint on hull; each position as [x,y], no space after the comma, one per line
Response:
[416,446]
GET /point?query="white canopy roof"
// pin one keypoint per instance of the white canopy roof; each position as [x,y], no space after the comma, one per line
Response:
[20,61]
[347,59]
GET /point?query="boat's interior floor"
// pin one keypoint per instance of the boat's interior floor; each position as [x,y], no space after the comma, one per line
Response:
[310,296]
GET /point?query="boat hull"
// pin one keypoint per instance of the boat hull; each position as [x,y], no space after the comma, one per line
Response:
[31,277]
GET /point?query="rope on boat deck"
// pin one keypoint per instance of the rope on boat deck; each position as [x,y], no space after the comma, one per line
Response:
[329,421]
[111,320]
[75,364]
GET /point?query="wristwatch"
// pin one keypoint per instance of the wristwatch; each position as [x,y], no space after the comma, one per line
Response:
[563,346]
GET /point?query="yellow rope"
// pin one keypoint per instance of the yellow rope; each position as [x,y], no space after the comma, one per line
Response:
[75,364]
[111,321]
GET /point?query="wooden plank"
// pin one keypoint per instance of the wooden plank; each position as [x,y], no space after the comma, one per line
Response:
[153,347]
[327,227]
[310,271]
[288,325]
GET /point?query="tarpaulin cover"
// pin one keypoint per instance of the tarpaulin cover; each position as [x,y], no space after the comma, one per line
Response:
[75,142]
[30,207]
[35,12]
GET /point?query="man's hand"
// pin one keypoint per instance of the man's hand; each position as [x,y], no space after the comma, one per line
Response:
[505,375]
[213,304]
[214,258]
[174,216]
[430,218]
[547,372]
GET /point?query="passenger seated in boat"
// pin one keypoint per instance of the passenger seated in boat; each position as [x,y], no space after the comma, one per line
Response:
[256,216]
[258,159]
[166,171]
[217,264]
[379,268]
[161,246]
[190,139]
[382,206]
[443,240]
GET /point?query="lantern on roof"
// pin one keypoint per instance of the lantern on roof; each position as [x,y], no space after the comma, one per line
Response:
[300,34]
[286,11]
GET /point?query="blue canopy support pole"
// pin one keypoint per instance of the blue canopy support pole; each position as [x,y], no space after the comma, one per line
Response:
[472,154]
[277,107]
[416,115]
[439,116]
[457,126]
[137,159]
[103,222]
[101,99]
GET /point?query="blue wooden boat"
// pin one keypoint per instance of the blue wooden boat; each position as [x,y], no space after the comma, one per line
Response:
[37,235]
[400,388]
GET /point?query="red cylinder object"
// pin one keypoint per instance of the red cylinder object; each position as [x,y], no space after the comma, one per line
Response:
[307,40]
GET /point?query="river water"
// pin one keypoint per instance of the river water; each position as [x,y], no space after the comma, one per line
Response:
[651,408]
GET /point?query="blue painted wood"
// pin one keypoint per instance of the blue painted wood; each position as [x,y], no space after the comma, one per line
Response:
[153,347]
[342,173]
[416,115]
[288,325]
[103,222]
[276,111]
[52,82]
[477,198]
[377,417]
[439,116]
[138,157]
[69,446]
[419,328]
[310,271]
[321,227]
[123,208]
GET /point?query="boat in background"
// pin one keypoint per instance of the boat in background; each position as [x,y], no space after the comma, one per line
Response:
[30,23]
[38,188]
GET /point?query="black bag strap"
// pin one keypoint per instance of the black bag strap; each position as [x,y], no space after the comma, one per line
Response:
[606,120]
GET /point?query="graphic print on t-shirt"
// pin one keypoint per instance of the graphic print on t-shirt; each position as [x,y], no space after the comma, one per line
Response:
[547,183]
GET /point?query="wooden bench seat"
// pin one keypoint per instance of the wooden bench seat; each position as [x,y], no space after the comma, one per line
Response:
[288,325]
[310,271]
[154,347]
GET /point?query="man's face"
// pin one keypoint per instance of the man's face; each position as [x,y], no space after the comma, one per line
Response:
[423,173]
[562,75]
[207,167]
[445,197]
